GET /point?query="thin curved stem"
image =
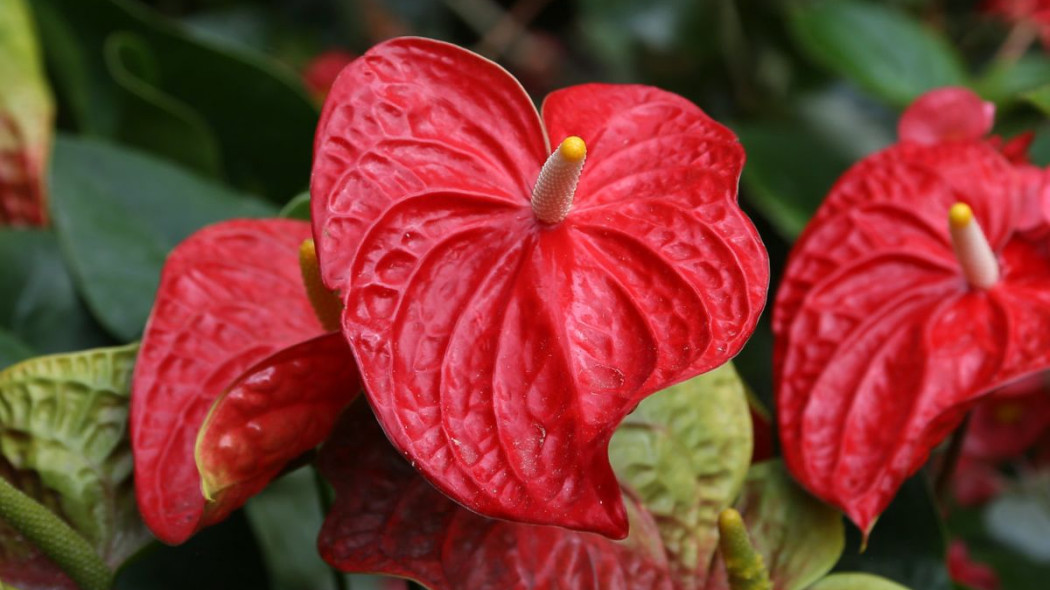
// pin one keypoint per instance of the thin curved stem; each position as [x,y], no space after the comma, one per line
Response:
[54,538]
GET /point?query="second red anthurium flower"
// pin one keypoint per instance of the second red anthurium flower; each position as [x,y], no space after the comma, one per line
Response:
[921,284]
[515,284]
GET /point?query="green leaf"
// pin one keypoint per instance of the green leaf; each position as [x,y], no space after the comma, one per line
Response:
[286,517]
[26,113]
[800,538]
[621,31]
[789,171]
[855,582]
[907,544]
[263,118]
[63,442]
[297,208]
[12,350]
[38,302]
[1040,97]
[118,213]
[1004,82]
[152,120]
[684,451]
[879,47]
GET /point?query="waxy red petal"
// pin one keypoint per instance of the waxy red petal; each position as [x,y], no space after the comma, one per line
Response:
[946,114]
[498,352]
[230,295]
[387,519]
[279,409]
[411,120]
[881,344]
[1010,421]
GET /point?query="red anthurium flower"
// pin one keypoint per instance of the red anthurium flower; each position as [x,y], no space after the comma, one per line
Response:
[1034,14]
[946,114]
[976,481]
[910,295]
[965,570]
[1010,421]
[321,72]
[388,519]
[231,324]
[506,319]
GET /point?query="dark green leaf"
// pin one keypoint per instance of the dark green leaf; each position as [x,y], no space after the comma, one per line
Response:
[907,544]
[789,171]
[685,452]
[1040,97]
[882,49]
[118,213]
[263,118]
[1003,82]
[63,423]
[38,303]
[151,120]
[12,350]
[286,517]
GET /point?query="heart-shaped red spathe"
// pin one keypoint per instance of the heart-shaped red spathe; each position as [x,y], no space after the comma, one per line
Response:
[499,352]
[276,411]
[230,296]
[387,519]
[881,345]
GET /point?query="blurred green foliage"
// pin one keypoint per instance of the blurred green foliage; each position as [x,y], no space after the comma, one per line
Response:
[176,113]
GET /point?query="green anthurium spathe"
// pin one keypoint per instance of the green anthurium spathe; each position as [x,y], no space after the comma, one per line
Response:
[853,581]
[685,453]
[64,449]
[799,537]
[26,114]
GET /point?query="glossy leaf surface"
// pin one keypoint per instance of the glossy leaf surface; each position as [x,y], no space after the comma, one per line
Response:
[12,349]
[38,300]
[880,47]
[500,354]
[230,296]
[63,442]
[799,537]
[881,344]
[150,118]
[282,407]
[26,113]
[388,519]
[684,453]
[232,95]
[118,212]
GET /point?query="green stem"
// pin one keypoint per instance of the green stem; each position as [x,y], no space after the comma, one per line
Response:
[54,538]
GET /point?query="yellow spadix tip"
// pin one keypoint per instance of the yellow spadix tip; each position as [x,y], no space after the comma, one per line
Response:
[730,521]
[960,215]
[573,149]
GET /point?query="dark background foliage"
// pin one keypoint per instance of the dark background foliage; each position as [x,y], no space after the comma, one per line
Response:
[203,98]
